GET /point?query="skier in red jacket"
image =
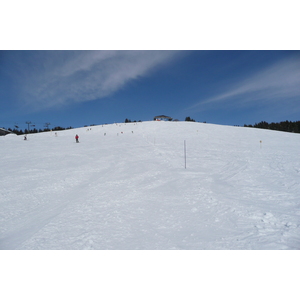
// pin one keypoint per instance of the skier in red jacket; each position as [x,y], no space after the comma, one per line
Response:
[77,137]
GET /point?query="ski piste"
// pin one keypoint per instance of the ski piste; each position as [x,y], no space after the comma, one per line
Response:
[134,191]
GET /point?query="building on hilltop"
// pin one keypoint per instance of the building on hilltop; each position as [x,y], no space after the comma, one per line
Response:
[162,118]
[4,131]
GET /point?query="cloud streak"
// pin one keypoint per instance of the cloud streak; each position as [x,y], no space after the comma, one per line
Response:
[53,78]
[274,84]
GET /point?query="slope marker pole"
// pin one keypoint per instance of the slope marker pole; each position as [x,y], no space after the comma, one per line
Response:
[184,154]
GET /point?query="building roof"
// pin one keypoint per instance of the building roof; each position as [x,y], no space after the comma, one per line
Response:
[162,117]
[4,131]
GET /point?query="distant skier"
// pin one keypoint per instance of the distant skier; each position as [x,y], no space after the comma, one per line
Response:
[76,138]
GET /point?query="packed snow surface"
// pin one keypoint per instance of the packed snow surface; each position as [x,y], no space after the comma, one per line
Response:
[129,186]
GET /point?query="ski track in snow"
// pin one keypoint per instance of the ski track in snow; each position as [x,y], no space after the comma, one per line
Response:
[124,186]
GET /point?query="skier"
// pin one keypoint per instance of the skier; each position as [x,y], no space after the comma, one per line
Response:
[77,137]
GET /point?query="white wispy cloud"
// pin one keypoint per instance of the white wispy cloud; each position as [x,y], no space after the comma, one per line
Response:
[276,83]
[53,78]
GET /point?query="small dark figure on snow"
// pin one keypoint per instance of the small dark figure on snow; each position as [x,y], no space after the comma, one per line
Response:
[76,138]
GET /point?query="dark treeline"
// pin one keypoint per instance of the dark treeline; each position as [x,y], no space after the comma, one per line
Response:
[282,126]
[129,121]
[189,119]
[34,130]
[287,126]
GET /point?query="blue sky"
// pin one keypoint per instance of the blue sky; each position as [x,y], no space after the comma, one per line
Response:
[78,88]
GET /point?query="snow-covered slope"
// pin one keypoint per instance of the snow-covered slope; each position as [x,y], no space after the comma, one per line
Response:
[125,186]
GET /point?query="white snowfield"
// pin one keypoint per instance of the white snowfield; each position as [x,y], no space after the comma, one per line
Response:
[125,186]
